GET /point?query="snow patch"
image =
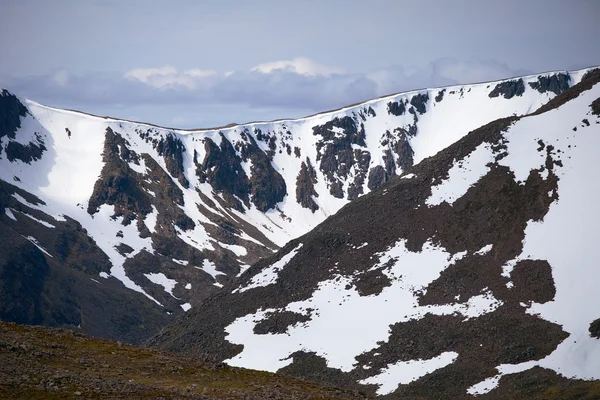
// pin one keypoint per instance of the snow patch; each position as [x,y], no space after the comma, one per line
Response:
[210,268]
[269,274]
[463,174]
[404,372]
[343,324]
[484,250]
[39,221]
[9,214]
[36,244]
[162,280]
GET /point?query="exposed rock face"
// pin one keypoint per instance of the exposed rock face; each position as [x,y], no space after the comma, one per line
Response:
[396,108]
[419,102]
[305,186]
[118,183]
[596,107]
[595,328]
[222,168]
[172,150]
[267,186]
[26,153]
[508,89]
[335,151]
[556,83]
[11,111]
[440,96]
[377,177]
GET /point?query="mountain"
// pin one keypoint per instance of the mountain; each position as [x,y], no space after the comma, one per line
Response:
[116,227]
[45,363]
[472,273]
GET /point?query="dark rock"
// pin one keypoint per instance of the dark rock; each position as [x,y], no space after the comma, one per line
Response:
[396,108]
[335,151]
[509,89]
[26,153]
[362,160]
[595,328]
[596,107]
[171,149]
[403,149]
[279,322]
[556,84]
[377,177]
[23,271]
[305,186]
[267,186]
[419,102]
[118,184]
[222,168]
[124,249]
[11,111]
[440,96]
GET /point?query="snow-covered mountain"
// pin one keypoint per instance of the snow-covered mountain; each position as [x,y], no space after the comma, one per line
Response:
[158,219]
[473,273]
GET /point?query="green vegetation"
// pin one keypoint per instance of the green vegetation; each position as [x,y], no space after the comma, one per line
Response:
[43,363]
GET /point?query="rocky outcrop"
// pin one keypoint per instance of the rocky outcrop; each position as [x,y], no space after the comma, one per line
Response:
[335,152]
[508,89]
[222,169]
[172,149]
[118,184]
[440,96]
[419,102]
[396,108]
[11,112]
[27,153]
[377,177]
[305,186]
[556,83]
[596,107]
[267,186]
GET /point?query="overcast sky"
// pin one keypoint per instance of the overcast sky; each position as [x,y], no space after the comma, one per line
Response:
[188,63]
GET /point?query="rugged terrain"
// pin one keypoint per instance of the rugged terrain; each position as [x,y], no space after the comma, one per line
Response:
[473,273]
[45,363]
[115,227]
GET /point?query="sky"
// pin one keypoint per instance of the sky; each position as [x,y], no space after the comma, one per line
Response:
[198,64]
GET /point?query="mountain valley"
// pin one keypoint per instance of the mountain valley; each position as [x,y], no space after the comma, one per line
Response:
[437,243]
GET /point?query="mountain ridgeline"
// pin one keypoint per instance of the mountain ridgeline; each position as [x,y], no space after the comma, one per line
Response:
[115,228]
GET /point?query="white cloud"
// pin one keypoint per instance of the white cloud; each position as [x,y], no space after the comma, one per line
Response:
[168,77]
[299,65]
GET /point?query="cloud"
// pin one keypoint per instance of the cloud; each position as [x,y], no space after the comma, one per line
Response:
[300,84]
[300,66]
[168,76]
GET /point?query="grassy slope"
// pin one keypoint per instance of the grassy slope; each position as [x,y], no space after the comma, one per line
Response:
[44,363]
